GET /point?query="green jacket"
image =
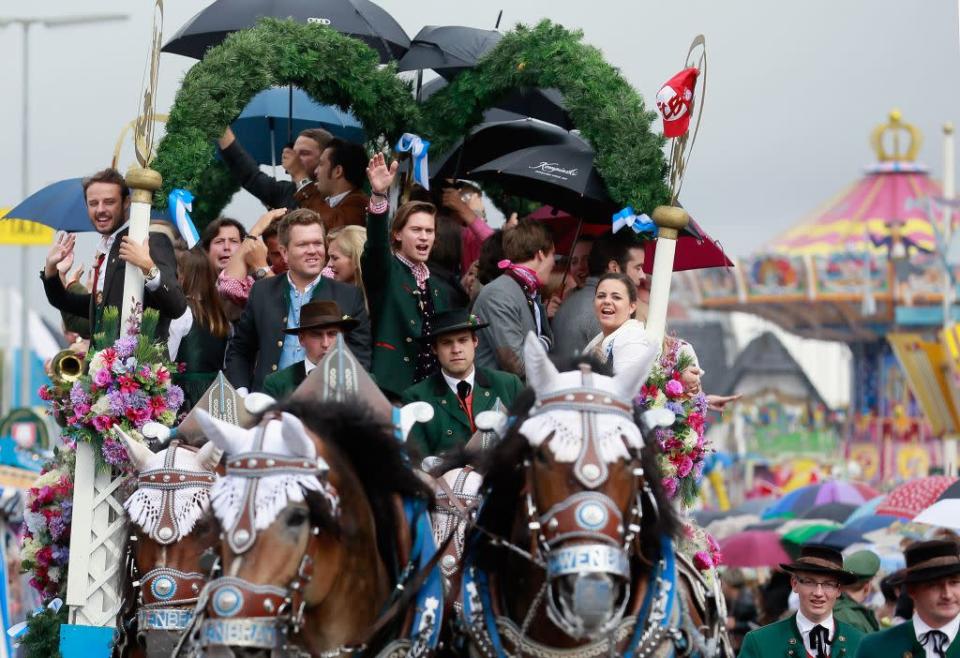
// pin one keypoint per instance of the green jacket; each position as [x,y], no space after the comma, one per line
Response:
[393,297]
[783,639]
[856,614]
[450,426]
[282,383]
[899,642]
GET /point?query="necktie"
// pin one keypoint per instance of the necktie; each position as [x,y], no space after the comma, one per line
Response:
[820,641]
[463,390]
[96,277]
[938,639]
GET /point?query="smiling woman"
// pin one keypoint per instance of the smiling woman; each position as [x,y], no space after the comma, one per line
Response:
[622,341]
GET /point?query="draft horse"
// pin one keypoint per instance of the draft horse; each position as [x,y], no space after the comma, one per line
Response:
[171,534]
[327,548]
[572,552]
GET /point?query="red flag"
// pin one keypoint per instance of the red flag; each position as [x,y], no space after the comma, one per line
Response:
[675,102]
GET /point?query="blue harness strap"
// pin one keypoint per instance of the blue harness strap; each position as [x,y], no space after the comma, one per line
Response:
[428,615]
[666,571]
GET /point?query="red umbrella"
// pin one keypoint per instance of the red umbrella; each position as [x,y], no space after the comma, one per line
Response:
[865,490]
[563,225]
[911,498]
[753,548]
[695,251]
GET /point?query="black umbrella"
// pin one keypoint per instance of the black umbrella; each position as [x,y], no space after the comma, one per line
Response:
[838,512]
[562,175]
[361,19]
[544,104]
[448,49]
[493,139]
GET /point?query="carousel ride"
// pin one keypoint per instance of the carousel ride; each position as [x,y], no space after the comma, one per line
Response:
[870,269]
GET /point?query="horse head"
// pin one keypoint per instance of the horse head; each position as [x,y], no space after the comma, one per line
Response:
[581,489]
[170,513]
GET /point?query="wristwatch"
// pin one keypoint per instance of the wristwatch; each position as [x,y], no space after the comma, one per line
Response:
[261,273]
[152,274]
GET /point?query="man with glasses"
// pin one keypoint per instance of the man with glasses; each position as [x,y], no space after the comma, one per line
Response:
[932,581]
[816,576]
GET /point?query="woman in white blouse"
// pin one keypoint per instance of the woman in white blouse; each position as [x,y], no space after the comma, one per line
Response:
[622,340]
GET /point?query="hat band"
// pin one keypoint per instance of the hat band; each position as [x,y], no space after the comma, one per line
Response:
[817,562]
[942,561]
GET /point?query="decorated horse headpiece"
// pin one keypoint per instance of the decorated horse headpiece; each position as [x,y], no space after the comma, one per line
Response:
[173,488]
[268,467]
[566,400]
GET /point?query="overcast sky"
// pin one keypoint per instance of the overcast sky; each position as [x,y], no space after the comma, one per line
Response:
[794,89]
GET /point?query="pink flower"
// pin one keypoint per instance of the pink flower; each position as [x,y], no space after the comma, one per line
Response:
[109,355]
[103,377]
[684,466]
[670,486]
[102,423]
[163,375]
[674,388]
[127,384]
[702,560]
[696,421]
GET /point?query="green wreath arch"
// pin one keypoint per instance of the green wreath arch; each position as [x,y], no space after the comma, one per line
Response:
[332,68]
[609,113]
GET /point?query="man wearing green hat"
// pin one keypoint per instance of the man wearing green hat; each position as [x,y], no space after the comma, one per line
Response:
[932,581]
[816,576]
[320,324]
[460,390]
[849,607]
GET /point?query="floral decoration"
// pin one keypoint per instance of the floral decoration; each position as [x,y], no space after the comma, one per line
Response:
[45,544]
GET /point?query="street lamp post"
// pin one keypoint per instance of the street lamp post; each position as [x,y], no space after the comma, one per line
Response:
[27,22]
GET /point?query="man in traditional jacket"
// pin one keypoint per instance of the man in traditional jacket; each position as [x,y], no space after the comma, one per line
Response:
[258,346]
[320,324]
[459,391]
[816,576]
[932,581]
[849,607]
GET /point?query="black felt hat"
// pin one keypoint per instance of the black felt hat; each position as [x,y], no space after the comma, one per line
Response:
[448,322]
[818,558]
[929,560]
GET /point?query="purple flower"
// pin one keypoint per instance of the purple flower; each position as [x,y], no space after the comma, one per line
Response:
[57,527]
[174,397]
[676,408]
[78,395]
[66,508]
[125,346]
[61,554]
[114,453]
[117,404]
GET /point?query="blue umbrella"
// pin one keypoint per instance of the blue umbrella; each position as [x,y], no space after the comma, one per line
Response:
[866,524]
[62,207]
[839,539]
[277,115]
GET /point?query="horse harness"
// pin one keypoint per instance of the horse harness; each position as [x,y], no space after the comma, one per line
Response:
[167,596]
[608,541]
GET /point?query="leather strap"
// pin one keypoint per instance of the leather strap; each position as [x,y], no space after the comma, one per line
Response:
[586,400]
[166,587]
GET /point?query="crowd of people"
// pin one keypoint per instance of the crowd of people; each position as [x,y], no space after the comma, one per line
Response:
[826,604]
[429,298]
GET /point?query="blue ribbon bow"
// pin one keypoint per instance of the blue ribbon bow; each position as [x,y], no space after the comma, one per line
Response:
[417,148]
[17,631]
[641,224]
[181,202]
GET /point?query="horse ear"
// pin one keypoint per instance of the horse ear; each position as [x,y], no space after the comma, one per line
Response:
[541,373]
[139,454]
[208,456]
[631,378]
[229,438]
[295,436]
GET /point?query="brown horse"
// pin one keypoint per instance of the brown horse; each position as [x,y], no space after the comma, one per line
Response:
[171,531]
[315,541]
[572,551]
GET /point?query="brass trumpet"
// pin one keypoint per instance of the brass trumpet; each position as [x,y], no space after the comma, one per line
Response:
[66,367]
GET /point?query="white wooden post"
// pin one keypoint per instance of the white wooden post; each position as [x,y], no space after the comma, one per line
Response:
[670,220]
[99,521]
[950,438]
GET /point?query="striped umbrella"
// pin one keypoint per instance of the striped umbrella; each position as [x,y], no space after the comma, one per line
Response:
[911,498]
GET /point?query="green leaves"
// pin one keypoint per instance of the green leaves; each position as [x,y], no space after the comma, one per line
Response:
[332,68]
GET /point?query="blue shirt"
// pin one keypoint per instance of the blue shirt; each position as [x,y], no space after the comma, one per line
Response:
[292,352]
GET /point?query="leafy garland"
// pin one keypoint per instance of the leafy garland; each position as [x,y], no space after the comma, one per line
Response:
[332,68]
[609,113]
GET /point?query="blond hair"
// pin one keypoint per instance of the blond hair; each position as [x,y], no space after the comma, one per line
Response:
[351,240]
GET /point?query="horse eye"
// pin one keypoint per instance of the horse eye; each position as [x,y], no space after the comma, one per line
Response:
[542,457]
[297,517]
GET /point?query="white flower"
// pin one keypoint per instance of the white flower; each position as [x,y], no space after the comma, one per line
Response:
[101,406]
[689,438]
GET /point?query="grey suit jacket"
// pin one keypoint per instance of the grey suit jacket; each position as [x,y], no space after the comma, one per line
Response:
[503,305]
[578,321]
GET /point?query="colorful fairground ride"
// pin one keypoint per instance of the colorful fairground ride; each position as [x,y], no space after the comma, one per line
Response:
[874,268]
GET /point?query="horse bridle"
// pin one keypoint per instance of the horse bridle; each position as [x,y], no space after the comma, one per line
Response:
[245,614]
[167,596]
[590,517]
